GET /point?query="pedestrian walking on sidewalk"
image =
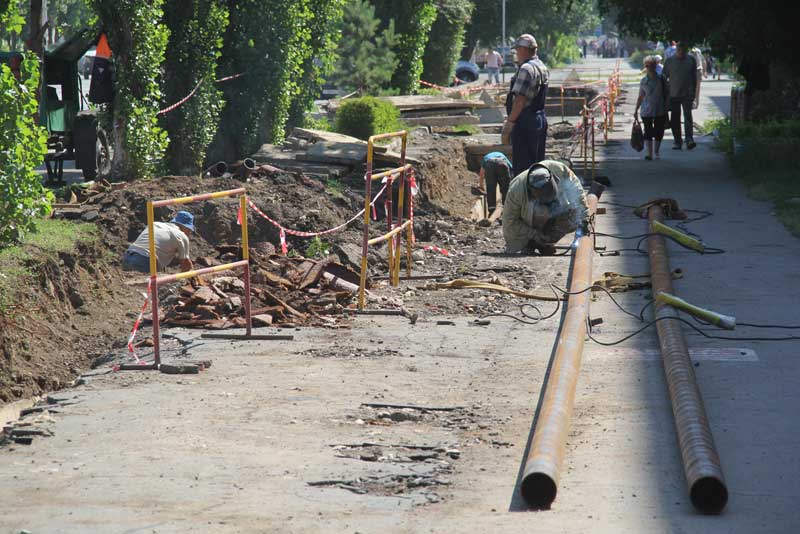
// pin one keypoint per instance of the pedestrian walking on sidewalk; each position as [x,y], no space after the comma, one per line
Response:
[653,101]
[495,170]
[680,72]
[494,62]
[171,241]
[526,126]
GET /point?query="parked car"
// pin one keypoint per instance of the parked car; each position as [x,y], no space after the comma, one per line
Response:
[466,71]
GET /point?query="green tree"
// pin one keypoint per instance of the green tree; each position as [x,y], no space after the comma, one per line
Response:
[138,39]
[413,20]
[366,59]
[548,20]
[446,40]
[267,40]
[325,32]
[196,28]
[756,34]
[22,142]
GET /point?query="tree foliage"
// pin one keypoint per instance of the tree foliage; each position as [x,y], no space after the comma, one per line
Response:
[366,116]
[757,34]
[366,59]
[413,20]
[547,20]
[446,40]
[325,33]
[267,40]
[138,39]
[22,143]
[195,42]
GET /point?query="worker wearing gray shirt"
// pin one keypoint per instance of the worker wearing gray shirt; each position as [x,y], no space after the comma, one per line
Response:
[171,242]
[680,71]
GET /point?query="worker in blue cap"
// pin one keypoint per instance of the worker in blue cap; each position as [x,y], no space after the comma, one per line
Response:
[171,240]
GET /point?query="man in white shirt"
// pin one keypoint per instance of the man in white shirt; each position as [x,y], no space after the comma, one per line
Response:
[171,242]
[494,62]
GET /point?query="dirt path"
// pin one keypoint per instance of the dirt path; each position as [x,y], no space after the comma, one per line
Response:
[275,437]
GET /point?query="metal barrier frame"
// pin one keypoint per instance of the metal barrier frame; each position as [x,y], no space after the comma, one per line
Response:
[393,231]
[155,281]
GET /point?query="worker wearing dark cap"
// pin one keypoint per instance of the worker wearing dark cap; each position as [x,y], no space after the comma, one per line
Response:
[543,204]
[171,241]
[525,128]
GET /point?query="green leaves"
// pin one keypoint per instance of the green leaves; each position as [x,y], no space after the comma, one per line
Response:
[138,39]
[22,149]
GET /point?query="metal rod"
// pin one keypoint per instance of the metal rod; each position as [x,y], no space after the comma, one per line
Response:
[365,237]
[398,241]
[543,466]
[707,488]
[245,337]
[197,198]
[246,259]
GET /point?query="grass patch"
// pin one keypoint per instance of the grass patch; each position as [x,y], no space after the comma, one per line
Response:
[318,248]
[467,129]
[50,238]
[766,156]
[335,188]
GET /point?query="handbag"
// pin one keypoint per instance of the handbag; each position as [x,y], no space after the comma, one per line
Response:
[637,136]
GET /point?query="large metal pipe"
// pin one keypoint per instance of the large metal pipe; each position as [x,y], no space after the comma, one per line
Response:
[542,468]
[707,488]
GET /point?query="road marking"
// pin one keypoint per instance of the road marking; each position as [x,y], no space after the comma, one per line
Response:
[697,355]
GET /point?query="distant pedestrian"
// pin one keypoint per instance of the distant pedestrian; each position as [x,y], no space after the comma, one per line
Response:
[526,126]
[653,101]
[495,171]
[585,48]
[680,72]
[494,62]
[670,50]
[659,64]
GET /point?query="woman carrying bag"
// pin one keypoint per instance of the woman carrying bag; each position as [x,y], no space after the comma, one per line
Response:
[652,100]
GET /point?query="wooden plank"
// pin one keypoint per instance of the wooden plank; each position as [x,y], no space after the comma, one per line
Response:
[420,102]
[446,120]
[331,137]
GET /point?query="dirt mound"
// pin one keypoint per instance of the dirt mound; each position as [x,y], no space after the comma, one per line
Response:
[75,305]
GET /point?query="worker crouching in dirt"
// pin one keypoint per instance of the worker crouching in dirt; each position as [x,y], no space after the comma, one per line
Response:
[495,170]
[544,203]
[171,241]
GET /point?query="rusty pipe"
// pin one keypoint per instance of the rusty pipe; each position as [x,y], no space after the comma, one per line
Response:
[707,488]
[543,466]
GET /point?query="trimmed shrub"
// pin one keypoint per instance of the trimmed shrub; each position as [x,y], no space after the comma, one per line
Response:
[195,42]
[446,41]
[363,117]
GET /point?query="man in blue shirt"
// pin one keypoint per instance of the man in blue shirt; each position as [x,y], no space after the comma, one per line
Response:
[495,170]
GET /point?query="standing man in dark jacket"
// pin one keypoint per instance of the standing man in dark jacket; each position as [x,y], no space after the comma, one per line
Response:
[680,72]
[526,126]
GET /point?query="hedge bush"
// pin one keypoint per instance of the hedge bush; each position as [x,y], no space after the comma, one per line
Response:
[446,40]
[195,42]
[138,39]
[366,116]
[22,143]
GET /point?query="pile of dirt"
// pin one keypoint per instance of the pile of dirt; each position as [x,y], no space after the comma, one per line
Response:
[74,306]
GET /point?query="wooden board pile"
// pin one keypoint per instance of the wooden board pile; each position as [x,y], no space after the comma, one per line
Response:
[285,292]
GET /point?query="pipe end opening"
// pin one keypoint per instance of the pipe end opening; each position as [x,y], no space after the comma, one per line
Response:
[709,495]
[538,490]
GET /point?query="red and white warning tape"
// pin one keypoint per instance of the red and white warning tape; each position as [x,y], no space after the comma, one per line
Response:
[301,233]
[138,322]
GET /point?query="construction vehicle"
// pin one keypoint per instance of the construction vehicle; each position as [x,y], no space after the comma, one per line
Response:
[72,129]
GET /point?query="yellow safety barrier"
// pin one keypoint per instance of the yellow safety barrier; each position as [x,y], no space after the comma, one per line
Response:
[393,245]
[155,280]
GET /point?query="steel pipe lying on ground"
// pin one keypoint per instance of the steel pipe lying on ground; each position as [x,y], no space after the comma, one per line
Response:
[542,468]
[707,488]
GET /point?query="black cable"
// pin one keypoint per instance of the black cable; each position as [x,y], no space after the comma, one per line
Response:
[693,327]
[595,286]
[785,327]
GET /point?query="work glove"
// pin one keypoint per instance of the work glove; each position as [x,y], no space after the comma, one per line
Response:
[505,136]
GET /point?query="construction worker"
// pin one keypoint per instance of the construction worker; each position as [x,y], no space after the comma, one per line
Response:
[171,240]
[495,170]
[526,126]
[544,203]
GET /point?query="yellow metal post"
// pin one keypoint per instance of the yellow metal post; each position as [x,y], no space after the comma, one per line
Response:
[245,238]
[364,245]
[400,207]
